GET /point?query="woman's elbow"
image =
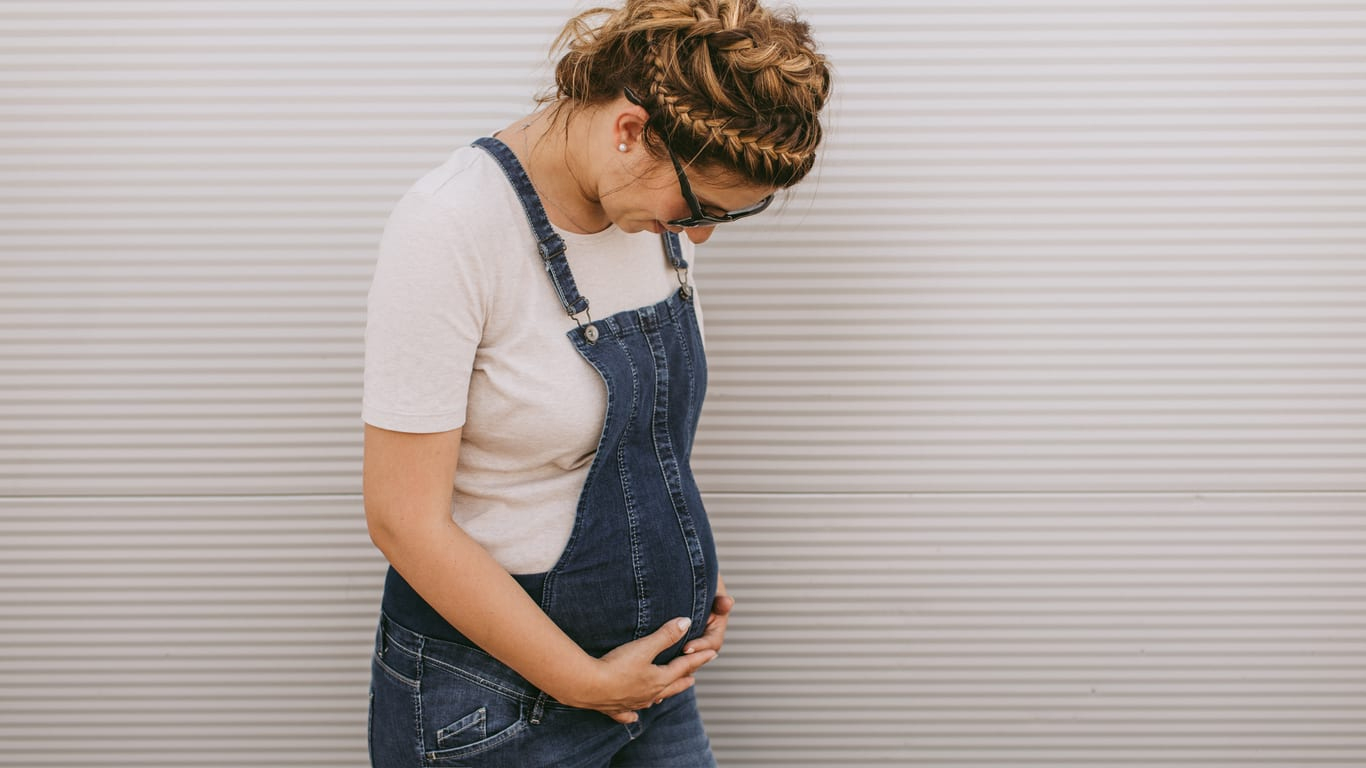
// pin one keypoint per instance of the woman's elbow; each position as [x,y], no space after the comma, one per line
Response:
[381,528]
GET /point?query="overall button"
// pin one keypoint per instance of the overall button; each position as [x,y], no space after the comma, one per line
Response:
[686,292]
[590,332]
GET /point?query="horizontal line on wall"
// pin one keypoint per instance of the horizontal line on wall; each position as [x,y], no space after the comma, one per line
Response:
[1080,187]
[389,164]
[406,23]
[415,76]
[361,86]
[438,9]
[1233,493]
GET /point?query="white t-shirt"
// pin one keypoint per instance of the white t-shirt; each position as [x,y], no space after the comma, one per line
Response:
[464,329]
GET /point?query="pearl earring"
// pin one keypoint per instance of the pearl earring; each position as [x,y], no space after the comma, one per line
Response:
[622,147]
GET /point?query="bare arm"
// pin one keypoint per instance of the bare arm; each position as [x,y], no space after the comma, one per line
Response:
[408,480]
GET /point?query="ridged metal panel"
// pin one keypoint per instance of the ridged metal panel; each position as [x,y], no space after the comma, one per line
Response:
[1088,246]
[191,195]
[1052,630]
[1037,427]
[216,632]
[1048,246]
[895,629]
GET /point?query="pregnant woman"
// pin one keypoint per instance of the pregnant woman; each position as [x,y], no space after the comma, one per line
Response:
[534,374]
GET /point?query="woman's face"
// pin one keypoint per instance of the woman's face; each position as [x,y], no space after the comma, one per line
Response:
[645,195]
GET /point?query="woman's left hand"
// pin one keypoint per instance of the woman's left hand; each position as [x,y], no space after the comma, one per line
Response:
[715,633]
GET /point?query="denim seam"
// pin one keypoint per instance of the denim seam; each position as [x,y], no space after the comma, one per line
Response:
[688,332]
[668,460]
[482,682]
[417,699]
[672,472]
[394,673]
[632,511]
[393,643]
[685,343]
[370,727]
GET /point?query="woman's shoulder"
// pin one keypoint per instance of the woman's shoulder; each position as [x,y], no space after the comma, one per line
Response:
[468,185]
[457,225]
[466,199]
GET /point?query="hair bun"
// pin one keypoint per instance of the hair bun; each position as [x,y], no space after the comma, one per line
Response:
[730,40]
[729,84]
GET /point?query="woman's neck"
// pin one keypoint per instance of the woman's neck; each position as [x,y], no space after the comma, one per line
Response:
[544,142]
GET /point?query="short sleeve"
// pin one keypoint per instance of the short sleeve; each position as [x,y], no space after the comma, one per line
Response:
[424,320]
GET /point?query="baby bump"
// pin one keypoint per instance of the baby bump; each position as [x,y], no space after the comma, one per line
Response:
[616,584]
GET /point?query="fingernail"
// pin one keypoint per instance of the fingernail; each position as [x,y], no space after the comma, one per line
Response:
[683,624]
[688,650]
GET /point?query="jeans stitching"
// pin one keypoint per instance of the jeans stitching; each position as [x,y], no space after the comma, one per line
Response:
[417,698]
[479,747]
[394,674]
[670,467]
[483,682]
[632,519]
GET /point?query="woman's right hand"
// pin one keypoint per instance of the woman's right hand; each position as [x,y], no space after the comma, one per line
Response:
[628,679]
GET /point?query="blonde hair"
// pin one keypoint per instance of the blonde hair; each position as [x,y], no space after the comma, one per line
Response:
[728,84]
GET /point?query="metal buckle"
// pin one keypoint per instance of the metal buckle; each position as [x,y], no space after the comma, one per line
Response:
[589,330]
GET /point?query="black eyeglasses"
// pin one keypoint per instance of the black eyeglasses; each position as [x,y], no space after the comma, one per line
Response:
[699,217]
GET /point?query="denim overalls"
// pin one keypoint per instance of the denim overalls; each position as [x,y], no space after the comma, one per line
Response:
[640,553]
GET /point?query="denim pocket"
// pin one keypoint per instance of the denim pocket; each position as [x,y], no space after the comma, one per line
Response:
[472,727]
[471,735]
[467,712]
[393,717]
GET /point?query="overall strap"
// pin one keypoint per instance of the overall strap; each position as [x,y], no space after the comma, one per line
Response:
[550,244]
[674,250]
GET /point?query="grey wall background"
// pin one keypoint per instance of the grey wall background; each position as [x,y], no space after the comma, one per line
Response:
[1038,424]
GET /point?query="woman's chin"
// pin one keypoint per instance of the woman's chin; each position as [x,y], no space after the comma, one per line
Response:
[695,234]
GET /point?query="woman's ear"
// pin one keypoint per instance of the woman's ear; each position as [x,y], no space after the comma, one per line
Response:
[629,125]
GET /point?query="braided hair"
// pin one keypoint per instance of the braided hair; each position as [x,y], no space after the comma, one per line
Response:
[728,84]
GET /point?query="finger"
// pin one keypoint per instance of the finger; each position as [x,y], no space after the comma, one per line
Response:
[675,688]
[722,604]
[715,634]
[686,665]
[625,717]
[664,637]
[711,639]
